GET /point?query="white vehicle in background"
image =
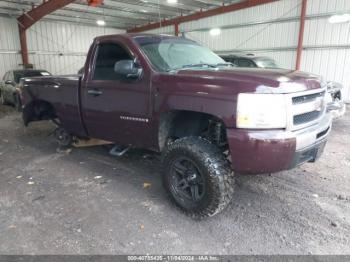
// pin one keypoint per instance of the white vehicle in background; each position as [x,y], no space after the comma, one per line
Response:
[336,106]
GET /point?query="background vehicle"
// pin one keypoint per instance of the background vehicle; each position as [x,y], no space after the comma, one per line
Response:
[9,85]
[336,105]
[173,96]
[250,60]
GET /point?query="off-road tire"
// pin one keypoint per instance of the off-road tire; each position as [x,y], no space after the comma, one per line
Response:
[214,168]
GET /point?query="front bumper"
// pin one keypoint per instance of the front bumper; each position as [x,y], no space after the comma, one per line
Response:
[270,151]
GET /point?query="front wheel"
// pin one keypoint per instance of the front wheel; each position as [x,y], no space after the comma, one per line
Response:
[197,177]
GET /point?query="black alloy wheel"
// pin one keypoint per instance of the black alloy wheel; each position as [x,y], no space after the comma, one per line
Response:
[187,182]
[197,177]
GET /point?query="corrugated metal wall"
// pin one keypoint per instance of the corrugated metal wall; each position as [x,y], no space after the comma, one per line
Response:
[61,47]
[57,47]
[272,30]
[9,45]
[331,58]
[249,31]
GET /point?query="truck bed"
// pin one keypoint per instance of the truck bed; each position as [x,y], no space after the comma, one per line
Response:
[62,92]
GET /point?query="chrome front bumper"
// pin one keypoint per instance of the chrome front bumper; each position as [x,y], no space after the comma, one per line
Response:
[314,134]
[310,142]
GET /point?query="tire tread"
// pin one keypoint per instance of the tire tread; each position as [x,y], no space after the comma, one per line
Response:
[219,172]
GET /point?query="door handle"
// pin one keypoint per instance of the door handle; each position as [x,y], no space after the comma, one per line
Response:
[94,92]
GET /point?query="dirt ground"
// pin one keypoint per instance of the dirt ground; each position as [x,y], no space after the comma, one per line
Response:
[88,202]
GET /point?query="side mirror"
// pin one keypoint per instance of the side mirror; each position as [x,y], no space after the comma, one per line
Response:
[127,69]
[9,82]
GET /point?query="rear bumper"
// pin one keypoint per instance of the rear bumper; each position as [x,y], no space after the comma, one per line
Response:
[270,151]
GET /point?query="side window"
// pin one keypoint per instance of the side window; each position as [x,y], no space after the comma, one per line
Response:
[235,62]
[5,78]
[16,77]
[108,54]
[245,63]
[10,76]
[229,59]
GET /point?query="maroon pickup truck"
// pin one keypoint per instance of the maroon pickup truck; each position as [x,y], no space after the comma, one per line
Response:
[208,118]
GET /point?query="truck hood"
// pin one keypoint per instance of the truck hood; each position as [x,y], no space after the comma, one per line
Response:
[258,80]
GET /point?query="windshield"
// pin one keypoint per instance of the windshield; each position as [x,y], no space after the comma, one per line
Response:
[23,74]
[170,53]
[266,63]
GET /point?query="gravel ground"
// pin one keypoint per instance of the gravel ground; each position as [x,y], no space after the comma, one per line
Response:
[87,202]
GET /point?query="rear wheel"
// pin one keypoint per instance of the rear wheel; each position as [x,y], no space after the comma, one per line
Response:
[62,137]
[197,177]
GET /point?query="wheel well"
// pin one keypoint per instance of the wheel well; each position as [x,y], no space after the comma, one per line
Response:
[177,124]
[38,110]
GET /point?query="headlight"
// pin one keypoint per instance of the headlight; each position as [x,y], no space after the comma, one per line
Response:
[261,111]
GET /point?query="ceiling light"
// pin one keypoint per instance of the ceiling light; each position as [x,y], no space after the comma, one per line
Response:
[337,19]
[100,22]
[215,31]
[171,1]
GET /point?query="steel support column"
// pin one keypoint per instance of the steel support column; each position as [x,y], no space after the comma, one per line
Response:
[176,27]
[28,19]
[24,47]
[301,34]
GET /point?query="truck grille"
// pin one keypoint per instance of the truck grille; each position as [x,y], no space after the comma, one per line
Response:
[307,98]
[307,108]
[307,117]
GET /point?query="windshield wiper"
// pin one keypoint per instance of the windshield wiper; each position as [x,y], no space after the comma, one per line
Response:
[226,64]
[202,65]
[199,65]
[193,66]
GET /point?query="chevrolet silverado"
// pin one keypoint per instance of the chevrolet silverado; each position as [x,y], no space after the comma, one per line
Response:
[174,96]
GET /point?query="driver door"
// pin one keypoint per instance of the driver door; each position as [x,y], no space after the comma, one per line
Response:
[115,109]
[9,88]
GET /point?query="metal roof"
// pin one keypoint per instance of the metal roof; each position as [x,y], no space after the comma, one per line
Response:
[123,14]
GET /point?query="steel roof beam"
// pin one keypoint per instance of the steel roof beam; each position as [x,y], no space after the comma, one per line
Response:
[137,11]
[86,20]
[30,18]
[98,16]
[202,14]
[130,6]
[181,5]
[79,11]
